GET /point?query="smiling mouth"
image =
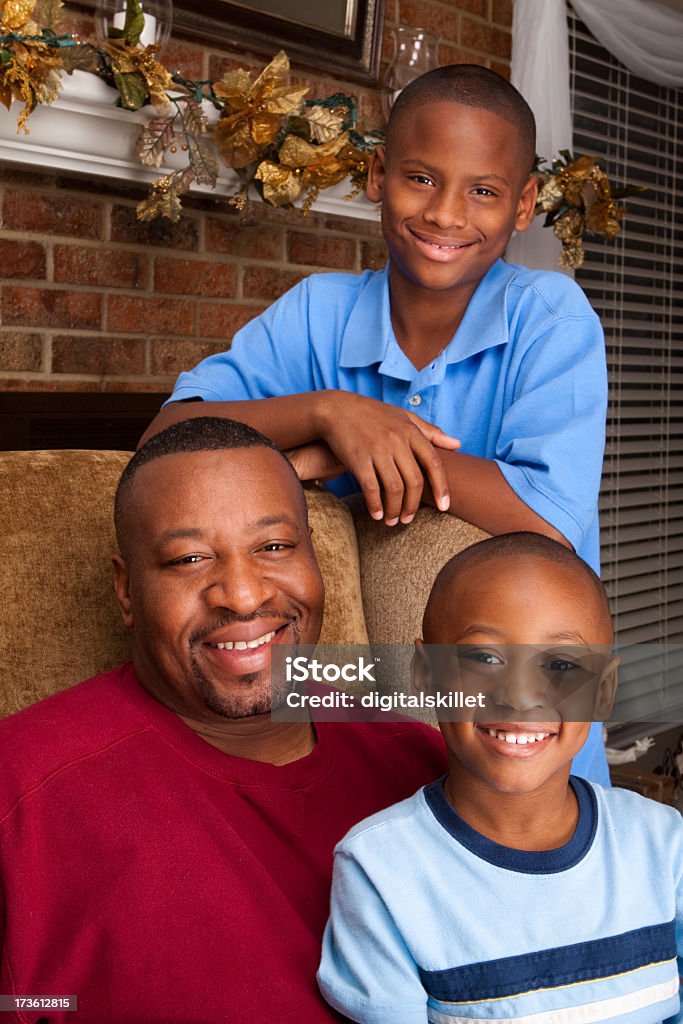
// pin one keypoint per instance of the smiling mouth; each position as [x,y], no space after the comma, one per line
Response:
[519,738]
[244,645]
[442,246]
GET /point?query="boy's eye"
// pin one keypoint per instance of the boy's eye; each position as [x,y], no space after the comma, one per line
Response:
[482,190]
[422,179]
[560,665]
[482,657]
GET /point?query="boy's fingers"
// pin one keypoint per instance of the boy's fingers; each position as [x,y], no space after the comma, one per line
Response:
[393,488]
[413,486]
[369,485]
[436,474]
[434,434]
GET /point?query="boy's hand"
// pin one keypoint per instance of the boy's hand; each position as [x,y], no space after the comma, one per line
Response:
[315,461]
[390,452]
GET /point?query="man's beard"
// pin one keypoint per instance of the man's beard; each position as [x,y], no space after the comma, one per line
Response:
[260,695]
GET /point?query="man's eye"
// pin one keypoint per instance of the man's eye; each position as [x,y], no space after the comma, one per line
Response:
[560,665]
[277,545]
[187,560]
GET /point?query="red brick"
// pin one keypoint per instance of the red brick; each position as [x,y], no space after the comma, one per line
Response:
[456,55]
[267,282]
[22,259]
[434,17]
[52,214]
[150,315]
[126,228]
[373,255]
[47,384]
[187,60]
[172,357]
[155,387]
[501,12]
[19,351]
[108,268]
[255,241]
[321,250]
[370,111]
[222,319]
[50,308]
[363,229]
[486,38]
[195,277]
[501,69]
[98,355]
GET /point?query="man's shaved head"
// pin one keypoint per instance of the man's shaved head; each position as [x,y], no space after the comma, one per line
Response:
[197,434]
[472,86]
[509,546]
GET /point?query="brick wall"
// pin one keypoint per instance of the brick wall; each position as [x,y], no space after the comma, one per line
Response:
[92,300]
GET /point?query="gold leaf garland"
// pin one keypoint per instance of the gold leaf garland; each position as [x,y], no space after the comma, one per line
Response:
[287,148]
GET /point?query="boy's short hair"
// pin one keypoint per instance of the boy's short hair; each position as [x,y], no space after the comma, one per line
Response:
[473,86]
[517,545]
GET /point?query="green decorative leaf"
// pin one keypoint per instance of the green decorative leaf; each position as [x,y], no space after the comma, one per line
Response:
[132,89]
[134,23]
[80,58]
[5,56]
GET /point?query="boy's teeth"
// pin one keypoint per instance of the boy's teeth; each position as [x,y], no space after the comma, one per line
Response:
[521,738]
[243,645]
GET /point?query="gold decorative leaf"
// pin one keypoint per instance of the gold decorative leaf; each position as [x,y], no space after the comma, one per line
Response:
[194,119]
[46,13]
[324,124]
[80,58]
[280,185]
[154,140]
[17,15]
[203,161]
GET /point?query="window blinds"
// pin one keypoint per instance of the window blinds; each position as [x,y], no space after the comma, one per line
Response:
[635,283]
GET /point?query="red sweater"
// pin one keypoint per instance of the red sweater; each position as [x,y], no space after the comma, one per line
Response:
[160,880]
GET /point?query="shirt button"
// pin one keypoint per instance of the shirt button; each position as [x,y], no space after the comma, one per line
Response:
[415,400]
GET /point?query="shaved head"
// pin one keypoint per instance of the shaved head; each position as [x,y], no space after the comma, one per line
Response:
[472,86]
[507,547]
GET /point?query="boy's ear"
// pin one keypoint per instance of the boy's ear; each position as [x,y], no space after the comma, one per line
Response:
[420,669]
[526,204]
[607,691]
[376,171]
[122,589]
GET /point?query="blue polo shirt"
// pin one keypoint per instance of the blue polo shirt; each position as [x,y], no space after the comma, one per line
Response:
[522,382]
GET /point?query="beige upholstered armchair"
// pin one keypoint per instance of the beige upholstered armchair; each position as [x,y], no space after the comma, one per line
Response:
[60,623]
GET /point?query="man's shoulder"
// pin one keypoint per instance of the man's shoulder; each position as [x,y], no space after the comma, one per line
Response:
[64,728]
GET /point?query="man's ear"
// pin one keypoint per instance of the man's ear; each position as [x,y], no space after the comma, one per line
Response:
[607,691]
[122,589]
[376,172]
[420,669]
[526,204]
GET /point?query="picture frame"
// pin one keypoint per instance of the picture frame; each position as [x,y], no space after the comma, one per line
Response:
[351,52]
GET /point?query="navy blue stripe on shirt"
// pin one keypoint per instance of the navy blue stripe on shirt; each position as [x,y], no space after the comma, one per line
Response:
[553,968]
[532,862]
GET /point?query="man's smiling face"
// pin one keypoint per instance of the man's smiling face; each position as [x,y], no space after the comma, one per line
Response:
[218,567]
[453,188]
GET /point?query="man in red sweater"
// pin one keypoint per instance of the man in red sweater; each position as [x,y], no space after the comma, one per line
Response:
[166,848]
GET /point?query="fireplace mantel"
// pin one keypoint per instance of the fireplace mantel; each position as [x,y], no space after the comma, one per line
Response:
[84,132]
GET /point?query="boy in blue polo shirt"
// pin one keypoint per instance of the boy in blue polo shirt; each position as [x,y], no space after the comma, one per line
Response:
[509,891]
[385,374]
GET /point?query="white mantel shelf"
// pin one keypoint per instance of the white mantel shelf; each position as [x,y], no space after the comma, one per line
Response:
[84,132]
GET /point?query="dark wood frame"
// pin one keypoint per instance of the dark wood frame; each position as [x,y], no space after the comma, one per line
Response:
[220,23]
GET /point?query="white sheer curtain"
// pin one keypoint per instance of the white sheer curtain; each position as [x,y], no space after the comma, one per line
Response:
[645,35]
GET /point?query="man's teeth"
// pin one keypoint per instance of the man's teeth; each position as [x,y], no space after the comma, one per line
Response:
[518,737]
[243,645]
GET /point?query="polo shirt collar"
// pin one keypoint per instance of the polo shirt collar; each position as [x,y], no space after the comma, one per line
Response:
[368,337]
